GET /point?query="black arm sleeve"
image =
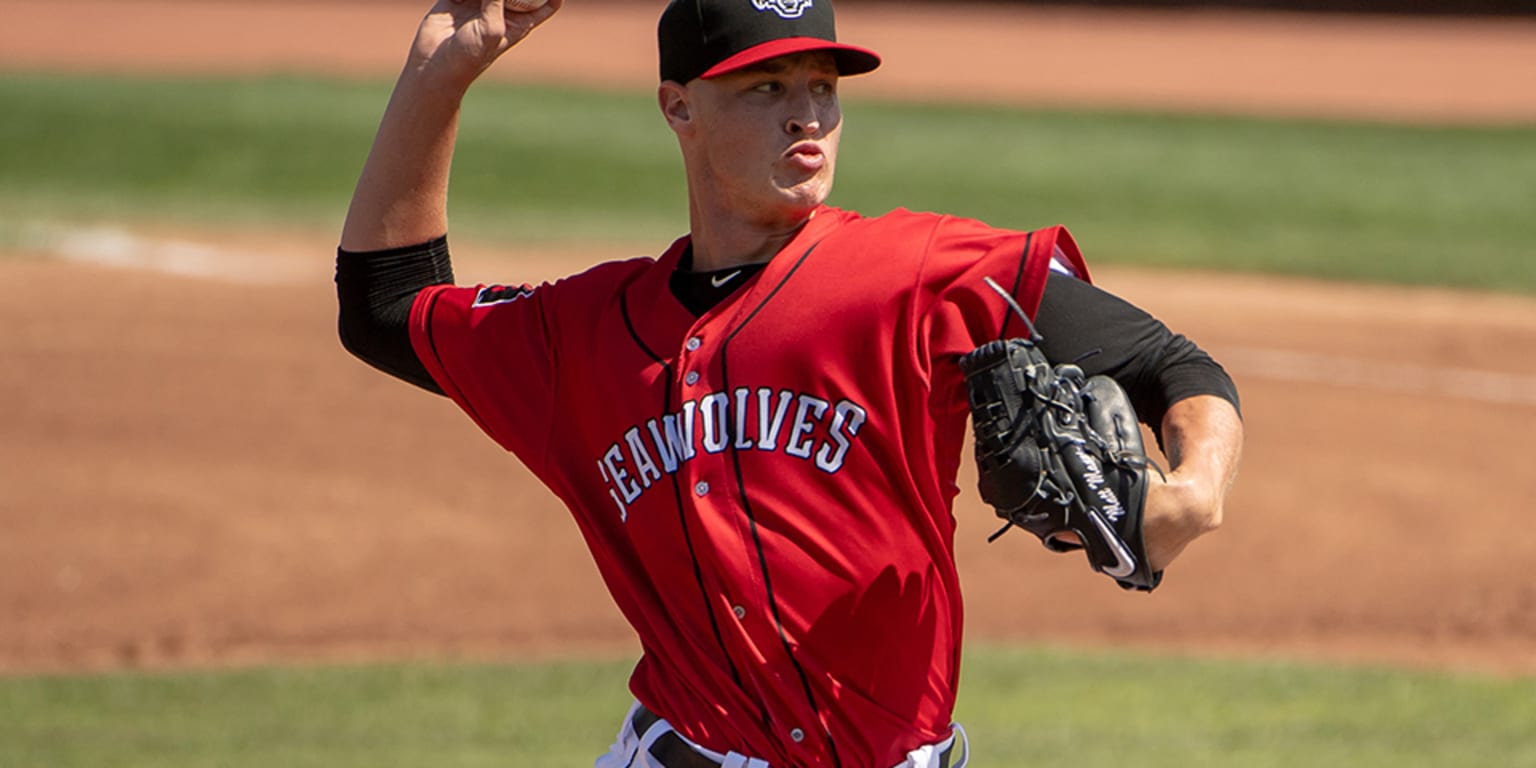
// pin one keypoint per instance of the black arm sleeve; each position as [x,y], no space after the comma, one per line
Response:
[1105,334]
[374,291]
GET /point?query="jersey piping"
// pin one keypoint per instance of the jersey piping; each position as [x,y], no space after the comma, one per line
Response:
[1018,281]
[677,497]
[746,507]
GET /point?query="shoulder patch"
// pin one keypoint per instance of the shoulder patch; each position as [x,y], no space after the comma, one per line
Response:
[501,294]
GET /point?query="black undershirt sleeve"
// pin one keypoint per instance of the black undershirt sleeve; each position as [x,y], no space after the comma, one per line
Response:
[1105,334]
[374,291]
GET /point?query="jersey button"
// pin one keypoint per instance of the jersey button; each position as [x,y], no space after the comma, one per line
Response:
[798,735]
[694,344]
[741,613]
[692,378]
[702,488]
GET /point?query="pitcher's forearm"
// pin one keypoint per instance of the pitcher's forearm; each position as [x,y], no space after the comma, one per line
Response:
[402,193]
[1203,437]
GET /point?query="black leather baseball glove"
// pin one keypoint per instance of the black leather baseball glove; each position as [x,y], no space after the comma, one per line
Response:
[1059,453]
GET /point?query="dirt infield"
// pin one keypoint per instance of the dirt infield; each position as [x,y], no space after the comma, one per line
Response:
[193,472]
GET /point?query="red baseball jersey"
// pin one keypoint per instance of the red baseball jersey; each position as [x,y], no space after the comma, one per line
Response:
[766,489]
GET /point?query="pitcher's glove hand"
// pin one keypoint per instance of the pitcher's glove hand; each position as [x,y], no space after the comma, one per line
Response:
[1059,453]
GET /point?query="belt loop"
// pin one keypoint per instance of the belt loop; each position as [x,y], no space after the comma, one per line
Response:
[962,742]
[738,760]
[657,729]
[953,752]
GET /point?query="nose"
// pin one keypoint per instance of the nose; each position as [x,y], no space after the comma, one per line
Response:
[803,126]
[804,119]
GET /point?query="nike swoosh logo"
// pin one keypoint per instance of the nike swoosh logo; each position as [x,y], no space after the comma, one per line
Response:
[723,279]
[1125,564]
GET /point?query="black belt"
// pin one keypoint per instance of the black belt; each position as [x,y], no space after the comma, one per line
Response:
[670,749]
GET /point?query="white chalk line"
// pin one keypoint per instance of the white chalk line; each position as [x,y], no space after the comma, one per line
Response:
[112,247]
[1405,378]
[119,248]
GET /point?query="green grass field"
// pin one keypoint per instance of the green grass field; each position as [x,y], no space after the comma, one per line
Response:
[1430,205]
[1024,708]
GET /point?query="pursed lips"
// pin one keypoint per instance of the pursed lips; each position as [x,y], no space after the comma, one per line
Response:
[807,155]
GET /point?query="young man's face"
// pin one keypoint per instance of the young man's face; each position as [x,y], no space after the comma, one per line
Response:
[763,140]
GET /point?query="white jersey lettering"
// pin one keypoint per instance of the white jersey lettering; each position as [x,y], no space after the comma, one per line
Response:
[799,444]
[669,447]
[819,432]
[714,409]
[613,494]
[742,442]
[645,466]
[618,477]
[768,432]
[685,436]
[847,417]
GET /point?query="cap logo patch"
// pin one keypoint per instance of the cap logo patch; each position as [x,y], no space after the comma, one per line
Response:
[787,9]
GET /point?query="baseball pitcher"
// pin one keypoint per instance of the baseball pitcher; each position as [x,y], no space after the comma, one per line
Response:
[758,430]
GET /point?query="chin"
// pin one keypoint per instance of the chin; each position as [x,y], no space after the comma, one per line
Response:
[789,203]
[806,197]
[792,212]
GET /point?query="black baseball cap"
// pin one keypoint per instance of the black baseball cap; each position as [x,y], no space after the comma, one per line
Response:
[709,38]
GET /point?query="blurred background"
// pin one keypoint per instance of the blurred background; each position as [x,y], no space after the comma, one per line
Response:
[224,541]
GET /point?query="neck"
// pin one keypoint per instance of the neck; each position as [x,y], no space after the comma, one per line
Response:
[723,241]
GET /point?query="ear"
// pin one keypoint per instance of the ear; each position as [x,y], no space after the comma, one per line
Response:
[672,97]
